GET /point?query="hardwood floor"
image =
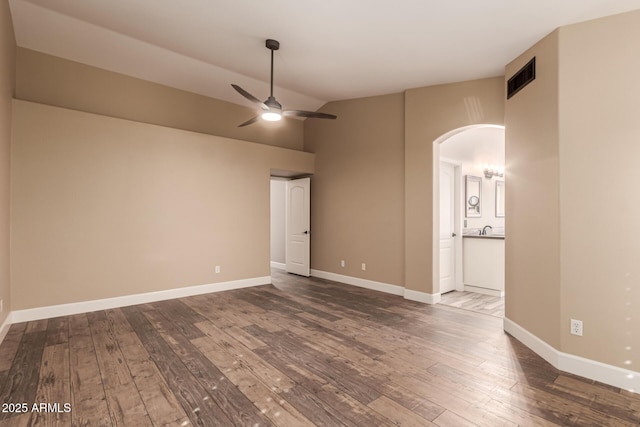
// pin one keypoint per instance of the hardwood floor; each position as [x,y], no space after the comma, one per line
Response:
[473,301]
[300,352]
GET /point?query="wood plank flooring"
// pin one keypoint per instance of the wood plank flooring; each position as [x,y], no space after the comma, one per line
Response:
[300,352]
[473,301]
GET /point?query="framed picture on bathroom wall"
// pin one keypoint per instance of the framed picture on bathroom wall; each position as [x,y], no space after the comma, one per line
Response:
[473,196]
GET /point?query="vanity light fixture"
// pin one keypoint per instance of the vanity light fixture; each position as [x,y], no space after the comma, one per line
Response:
[492,170]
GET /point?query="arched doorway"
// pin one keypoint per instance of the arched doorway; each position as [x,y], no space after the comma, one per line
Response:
[469,237]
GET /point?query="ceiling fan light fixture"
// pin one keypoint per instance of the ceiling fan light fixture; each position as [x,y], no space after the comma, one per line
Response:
[271,116]
[271,108]
[275,110]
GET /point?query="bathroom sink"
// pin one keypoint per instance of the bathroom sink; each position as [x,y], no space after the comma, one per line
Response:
[487,236]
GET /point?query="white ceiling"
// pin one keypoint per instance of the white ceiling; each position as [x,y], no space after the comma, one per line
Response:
[330,49]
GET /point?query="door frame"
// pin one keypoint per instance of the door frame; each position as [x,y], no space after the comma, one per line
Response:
[277,206]
[284,176]
[435,226]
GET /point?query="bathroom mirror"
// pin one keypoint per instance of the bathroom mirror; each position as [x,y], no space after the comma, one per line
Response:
[500,199]
[473,196]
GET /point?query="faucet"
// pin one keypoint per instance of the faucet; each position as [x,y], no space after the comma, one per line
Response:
[484,230]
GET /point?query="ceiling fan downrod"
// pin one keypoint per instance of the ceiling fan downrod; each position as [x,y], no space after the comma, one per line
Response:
[271,102]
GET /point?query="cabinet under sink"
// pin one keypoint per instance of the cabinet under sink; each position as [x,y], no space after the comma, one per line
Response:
[483,264]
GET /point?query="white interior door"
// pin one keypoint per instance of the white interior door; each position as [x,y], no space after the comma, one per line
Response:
[447,229]
[298,221]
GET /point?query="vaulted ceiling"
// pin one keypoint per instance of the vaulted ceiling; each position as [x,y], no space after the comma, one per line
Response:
[330,49]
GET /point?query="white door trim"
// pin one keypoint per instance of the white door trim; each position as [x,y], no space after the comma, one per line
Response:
[457,223]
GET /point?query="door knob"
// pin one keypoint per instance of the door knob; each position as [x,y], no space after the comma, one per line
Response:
[305,232]
[453,234]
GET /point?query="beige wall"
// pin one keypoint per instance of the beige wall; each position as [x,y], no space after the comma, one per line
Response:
[572,150]
[431,112]
[7,90]
[56,81]
[532,247]
[599,101]
[357,210]
[104,207]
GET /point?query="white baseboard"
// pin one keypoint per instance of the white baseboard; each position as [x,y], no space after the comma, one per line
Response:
[594,370]
[362,283]
[278,265]
[484,291]
[123,301]
[4,328]
[538,346]
[421,296]
[409,294]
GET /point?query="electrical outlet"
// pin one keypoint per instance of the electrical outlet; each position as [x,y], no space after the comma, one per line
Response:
[341,263]
[1,305]
[576,327]
[364,266]
[217,269]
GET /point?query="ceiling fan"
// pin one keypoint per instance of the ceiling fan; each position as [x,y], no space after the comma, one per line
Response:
[271,109]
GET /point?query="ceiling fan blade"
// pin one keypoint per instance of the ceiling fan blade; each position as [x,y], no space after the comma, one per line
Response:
[310,114]
[250,97]
[248,122]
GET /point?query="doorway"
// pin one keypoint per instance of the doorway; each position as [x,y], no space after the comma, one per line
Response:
[278,222]
[471,244]
[290,225]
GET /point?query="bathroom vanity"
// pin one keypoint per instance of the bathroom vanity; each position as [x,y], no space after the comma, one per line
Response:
[483,264]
